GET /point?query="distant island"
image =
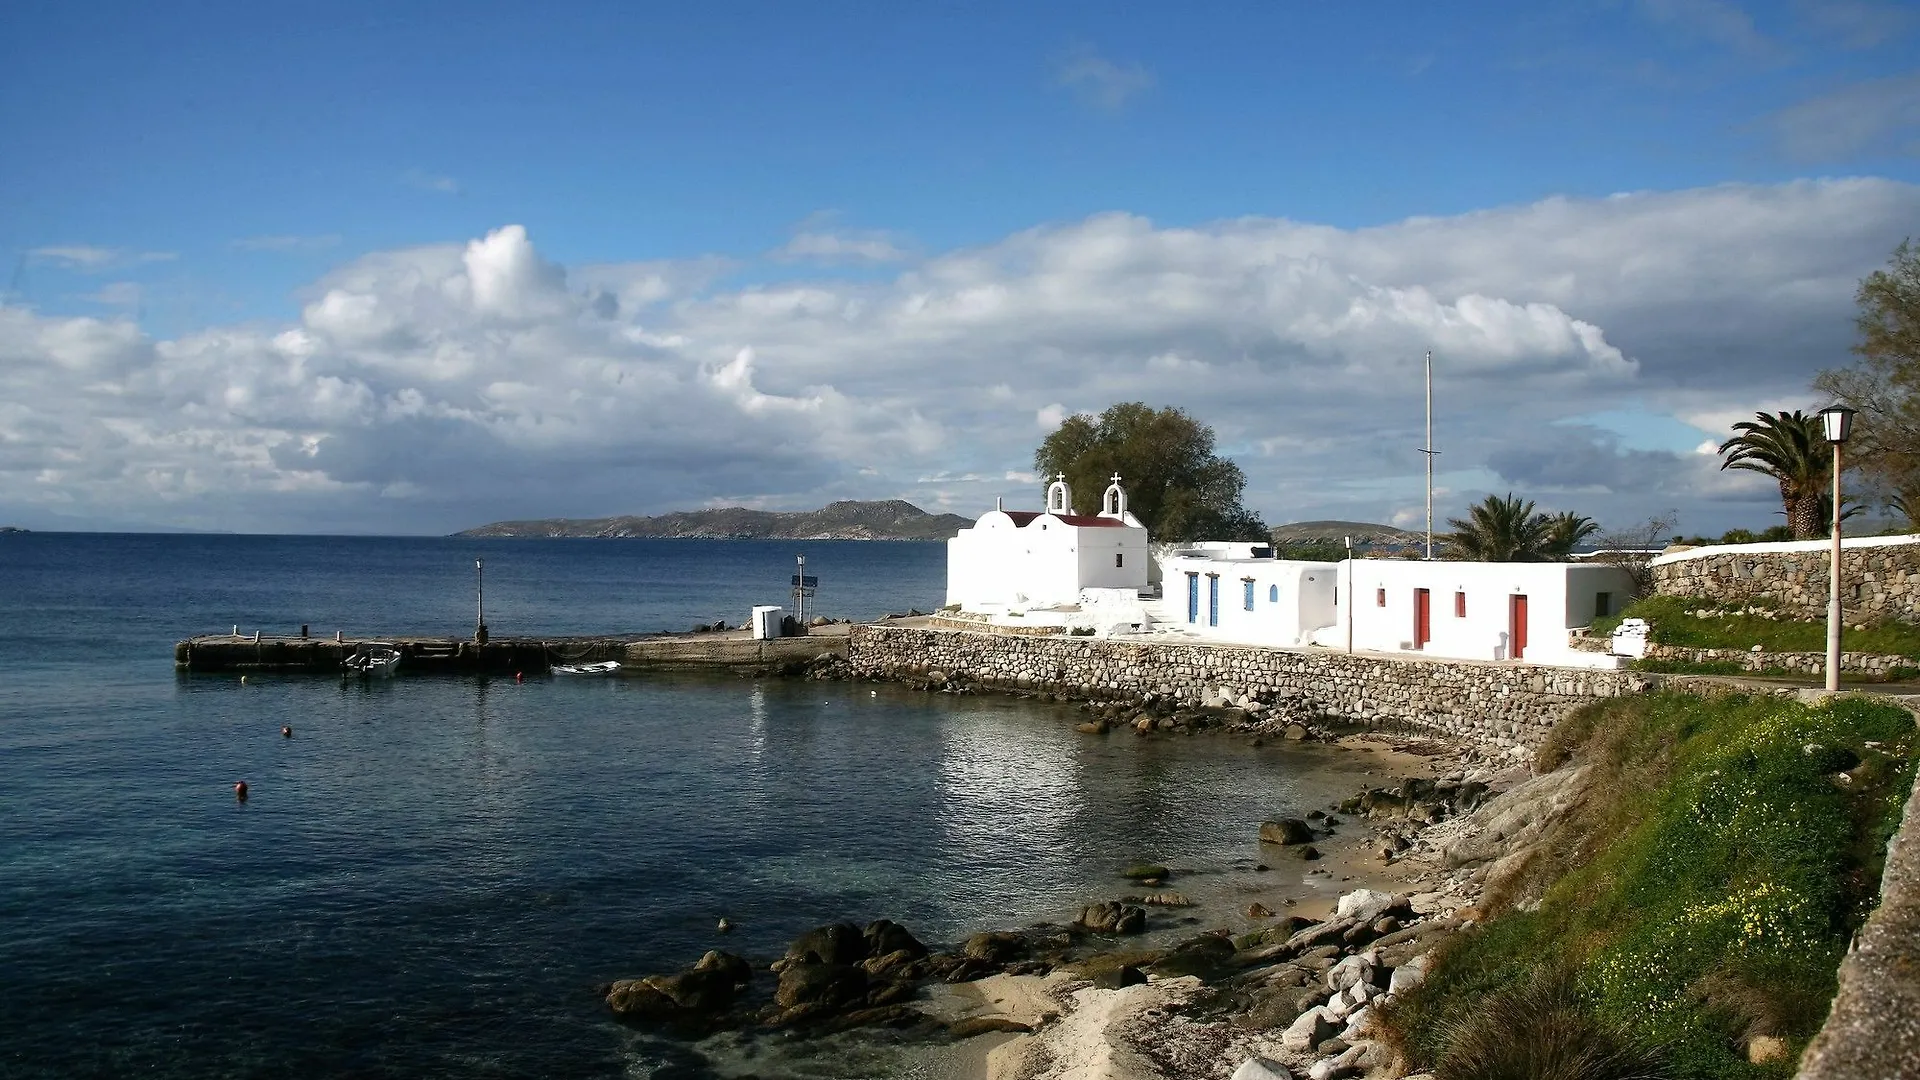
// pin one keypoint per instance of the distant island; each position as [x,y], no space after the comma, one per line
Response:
[1364,533]
[13,528]
[891,519]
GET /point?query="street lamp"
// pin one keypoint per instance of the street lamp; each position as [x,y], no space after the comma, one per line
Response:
[479,602]
[1838,422]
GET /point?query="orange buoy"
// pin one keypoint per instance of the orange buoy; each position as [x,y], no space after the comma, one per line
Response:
[240,791]
[286,731]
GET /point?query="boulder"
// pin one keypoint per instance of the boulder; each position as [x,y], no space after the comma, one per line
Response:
[1259,911]
[1355,969]
[1313,1027]
[1166,899]
[1285,831]
[982,1025]
[995,947]
[1118,978]
[1208,956]
[708,987]
[1408,975]
[1369,905]
[885,936]
[1146,872]
[1259,1068]
[813,983]
[839,944]
[900,963]
[1112,917]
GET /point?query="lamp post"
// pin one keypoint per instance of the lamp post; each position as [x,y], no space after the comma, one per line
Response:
[1838,422]
[479,602]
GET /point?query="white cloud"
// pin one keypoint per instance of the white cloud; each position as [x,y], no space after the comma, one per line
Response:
[436,387]
[1880,117]
[88,259]
[118,294]
[422,180]
[1101,82]
[1719,21]
[841,247]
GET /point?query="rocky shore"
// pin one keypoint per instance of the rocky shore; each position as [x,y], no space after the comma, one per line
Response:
[1144,984]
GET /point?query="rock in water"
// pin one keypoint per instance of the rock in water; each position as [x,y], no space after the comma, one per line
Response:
[885,936]
[810,982]
[994,947]
[1258,911]
[839,944]
[1286,831]
[1146,871]
[1166,899]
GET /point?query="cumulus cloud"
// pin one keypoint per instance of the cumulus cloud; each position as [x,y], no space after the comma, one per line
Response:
[436,387]
[1100,82]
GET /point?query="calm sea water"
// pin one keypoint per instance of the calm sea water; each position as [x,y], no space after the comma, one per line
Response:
[431,877]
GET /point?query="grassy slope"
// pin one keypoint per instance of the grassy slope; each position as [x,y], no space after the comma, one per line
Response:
[1674,625]
[1703,894]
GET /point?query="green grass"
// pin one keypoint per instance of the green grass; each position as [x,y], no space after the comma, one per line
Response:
[1705,890]
[1673,624]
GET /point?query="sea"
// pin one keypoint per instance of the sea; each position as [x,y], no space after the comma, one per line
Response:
[434,875]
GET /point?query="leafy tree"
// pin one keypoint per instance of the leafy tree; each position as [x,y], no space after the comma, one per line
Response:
[1885,383]
[1176,485]
[1501,530]
[1792,448]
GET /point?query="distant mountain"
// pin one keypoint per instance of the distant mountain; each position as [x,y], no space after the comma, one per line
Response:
[1363,533]
[892,519]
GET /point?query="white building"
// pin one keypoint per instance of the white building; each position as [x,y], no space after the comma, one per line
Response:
[1226,592]
[1018,559]
[1474,610]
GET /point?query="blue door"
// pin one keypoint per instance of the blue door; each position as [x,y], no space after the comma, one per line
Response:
[1193,598]
[1213,600]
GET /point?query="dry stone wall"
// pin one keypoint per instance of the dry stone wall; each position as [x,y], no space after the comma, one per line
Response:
[1878,583]
[1506,706]
[1798,663]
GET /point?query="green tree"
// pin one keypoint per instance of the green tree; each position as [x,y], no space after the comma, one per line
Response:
[1500,529]
[1885,383]
[1792,448]
[1176,485]
[1565,530]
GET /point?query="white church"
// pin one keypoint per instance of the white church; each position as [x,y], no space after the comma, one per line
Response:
[1022,561]
[1054,571]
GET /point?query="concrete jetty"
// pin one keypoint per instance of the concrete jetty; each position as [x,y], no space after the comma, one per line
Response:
[294,654]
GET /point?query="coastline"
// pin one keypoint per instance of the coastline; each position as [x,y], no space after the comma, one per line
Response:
[1038,1020]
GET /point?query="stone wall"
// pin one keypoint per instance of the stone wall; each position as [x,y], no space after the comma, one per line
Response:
[1879,577]
[1799,663]
[1875,1023]
[1506,706]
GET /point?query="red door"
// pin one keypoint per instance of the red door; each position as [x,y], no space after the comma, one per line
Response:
[1422,618]
[1517,626]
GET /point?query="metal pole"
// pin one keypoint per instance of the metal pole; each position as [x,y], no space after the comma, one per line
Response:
[1353,605]
[1833,585]
[479,597]
[800,592]
[1429,452]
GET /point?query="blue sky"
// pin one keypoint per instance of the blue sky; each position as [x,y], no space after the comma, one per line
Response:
[203,170]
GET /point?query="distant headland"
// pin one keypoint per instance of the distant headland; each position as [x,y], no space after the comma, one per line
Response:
[890,519]
[13,529]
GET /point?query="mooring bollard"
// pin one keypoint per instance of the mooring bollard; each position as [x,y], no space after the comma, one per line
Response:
[256,637]
[236,629]
[303,631]
[337,638]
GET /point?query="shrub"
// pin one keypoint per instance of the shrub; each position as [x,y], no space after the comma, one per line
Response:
[1701,893]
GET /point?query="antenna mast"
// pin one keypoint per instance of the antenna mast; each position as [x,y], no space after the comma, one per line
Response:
[1430,452]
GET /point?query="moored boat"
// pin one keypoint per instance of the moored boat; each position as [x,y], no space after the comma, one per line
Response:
[604,667]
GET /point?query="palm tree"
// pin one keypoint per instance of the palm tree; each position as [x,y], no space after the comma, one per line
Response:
[1791,447]
[1565,530]
[1500,530]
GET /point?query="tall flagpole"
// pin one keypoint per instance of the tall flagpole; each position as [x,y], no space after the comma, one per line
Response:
[1429,451]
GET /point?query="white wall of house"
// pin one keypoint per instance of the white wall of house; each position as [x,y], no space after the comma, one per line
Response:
[1022,559]
[1226,596]
[1472,610]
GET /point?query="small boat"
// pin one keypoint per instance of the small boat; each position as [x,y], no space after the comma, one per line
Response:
[376,661]
[604,667]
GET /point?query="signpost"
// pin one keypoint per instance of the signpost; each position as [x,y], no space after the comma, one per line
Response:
[803,587]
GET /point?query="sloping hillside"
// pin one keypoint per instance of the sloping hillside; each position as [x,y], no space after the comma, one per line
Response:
[1363,533]
[892,519]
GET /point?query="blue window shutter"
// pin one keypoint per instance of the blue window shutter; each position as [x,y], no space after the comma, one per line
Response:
[1213,600]
[1193,597]
[1249,596]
